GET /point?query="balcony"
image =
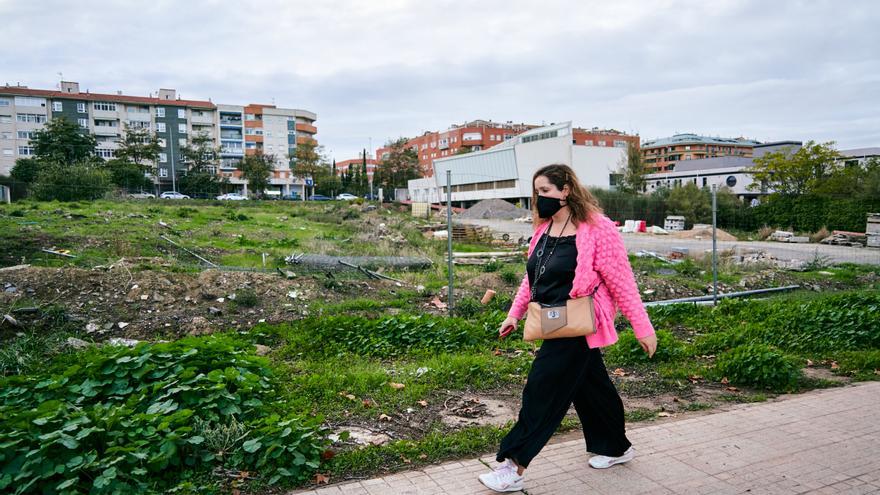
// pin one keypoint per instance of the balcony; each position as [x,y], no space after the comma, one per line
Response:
[106,130]
[231,151]
[204,119]
[307,128]
[305,139]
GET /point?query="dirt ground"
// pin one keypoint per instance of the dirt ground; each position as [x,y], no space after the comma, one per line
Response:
[118,301]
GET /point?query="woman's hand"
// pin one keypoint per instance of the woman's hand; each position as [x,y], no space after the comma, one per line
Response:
[508,322]
[649,344]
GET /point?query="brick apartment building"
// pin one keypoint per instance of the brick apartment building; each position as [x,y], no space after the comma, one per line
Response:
[661,155]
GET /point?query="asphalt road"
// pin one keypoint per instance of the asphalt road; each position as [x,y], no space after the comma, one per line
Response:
[663,244]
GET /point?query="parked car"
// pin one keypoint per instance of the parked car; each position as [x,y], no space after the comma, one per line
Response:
[318,197]
[291,197]
[346,197]
[371,196]
[232,197]
[173,195]
[142,195]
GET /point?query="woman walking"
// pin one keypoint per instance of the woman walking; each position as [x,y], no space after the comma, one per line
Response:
[579,253]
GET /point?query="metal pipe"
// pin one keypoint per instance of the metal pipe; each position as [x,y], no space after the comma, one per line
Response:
[714,244]
[722,296]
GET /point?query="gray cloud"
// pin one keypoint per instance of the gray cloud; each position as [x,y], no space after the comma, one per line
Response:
[780,70]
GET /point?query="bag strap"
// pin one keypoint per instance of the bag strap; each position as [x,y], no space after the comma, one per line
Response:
[541,267]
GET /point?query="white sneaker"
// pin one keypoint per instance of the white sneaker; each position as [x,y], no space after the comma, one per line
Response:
[503,478]
[605,462]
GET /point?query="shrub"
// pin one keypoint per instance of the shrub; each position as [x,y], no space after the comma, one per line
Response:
[511,277]
[120,420]
[759,365]
[246,298]
[385,337]
[628,351]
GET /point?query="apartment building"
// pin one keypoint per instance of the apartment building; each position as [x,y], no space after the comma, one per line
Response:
[479,135]
[662,155]
[355,165]
[471,136]
[236,130]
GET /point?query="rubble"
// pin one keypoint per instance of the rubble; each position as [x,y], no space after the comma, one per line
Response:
[843,238]
[494,209]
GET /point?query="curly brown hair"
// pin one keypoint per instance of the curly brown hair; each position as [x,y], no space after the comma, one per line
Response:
[583,205]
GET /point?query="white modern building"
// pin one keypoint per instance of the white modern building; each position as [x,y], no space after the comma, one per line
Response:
[505,171]
[723,171]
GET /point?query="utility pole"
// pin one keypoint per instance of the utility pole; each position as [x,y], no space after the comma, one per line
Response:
[714,245]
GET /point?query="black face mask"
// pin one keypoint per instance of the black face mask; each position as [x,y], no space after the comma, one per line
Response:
[547,207]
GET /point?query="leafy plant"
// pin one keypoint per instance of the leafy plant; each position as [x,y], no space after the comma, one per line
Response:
[759,365]
[120,420]
[628,351]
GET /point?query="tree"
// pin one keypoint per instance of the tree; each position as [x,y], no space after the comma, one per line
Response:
[140,147]
[63,142]
[693,203]
[795,173]
[201,158]
[400,166]
[631,171]
[256,170]
[309,162]
[25,171]
[137,155]
[64,166]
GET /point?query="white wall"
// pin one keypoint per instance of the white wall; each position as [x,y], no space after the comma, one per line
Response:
[594,164]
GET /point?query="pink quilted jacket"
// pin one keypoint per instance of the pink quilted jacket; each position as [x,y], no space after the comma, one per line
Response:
[601,257]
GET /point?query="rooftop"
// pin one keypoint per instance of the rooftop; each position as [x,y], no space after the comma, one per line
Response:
[697,139]
[119,98]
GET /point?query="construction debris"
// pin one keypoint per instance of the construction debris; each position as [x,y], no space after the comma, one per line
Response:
[495,209]
[674,223]
[58,252]
[844,238]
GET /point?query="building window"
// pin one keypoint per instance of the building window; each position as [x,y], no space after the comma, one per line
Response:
[160,112]
[5,119]
[84,123]
[21,135]
[26,150]
[31,118]
[8,135]
[57,106]
[133,109]
[160,126]
[705,181]
[181,113]
[7,151]
[731,181]
[588,142]
[4,102]
[81,108]
[619,144]
[181,128]
[161,142]
[250,116]
[602,143]
[30,101]
[104,153]
[163,172]
[181,142]
[163,157]
[104,106]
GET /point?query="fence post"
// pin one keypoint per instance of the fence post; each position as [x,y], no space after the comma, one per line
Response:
[714,245]
[449,300]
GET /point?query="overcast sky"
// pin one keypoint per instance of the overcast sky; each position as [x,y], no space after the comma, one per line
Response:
[376,70]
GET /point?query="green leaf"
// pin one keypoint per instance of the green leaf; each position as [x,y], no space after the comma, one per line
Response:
[69,442]
[196,440]
[66,483]
[251,446]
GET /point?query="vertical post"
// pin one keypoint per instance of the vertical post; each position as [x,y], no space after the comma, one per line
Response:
[449,300]
[171,152]
[714,245]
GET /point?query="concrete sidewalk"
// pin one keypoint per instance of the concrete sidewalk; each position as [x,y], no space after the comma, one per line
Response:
[826,441]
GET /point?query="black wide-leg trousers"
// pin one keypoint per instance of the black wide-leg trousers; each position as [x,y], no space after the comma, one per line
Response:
[567,371]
